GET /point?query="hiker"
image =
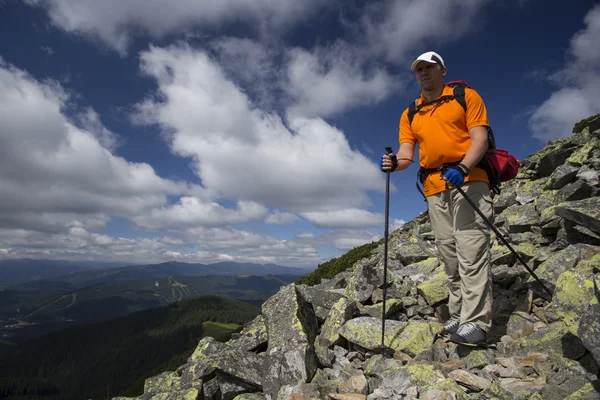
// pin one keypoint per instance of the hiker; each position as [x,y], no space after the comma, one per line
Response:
[451,142]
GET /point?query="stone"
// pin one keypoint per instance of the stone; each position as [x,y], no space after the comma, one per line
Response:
[561,176]
[252,337]
[210,389]
[469,380]
[347,396]
[555,338]
[164,382]
[540,362]
[403,377]
[519,325]
[421,268]
[435,289]
[290,358]
[516,386]
[231,387]
[415,337]
[409,253]
[355,384]
[438,395]
[392,306]
[342,311]
[588,174]
[583,212]
[552,160]
[319,297]
[366,331]
[573,296]
[503,372]
[550,270]
[520,218]
[577,190]
[362,283]
[589,331]
[588,392]
[581,155]
[506,199]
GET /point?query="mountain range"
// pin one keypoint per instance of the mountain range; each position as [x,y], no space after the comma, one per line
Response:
[87,273]
[40,306]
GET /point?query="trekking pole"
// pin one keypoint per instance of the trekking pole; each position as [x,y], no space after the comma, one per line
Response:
[385,248]
[489,223]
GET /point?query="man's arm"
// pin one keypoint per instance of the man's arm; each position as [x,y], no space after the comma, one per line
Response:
[479,145]
[405,156]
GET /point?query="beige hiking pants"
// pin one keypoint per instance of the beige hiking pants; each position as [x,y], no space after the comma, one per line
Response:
[463,241]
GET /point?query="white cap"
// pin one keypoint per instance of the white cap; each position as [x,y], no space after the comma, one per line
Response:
[430,57]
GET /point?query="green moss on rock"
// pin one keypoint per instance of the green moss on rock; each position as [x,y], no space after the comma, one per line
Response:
[582,393]
[416,337]
[165,382]
[573,295]
[435,289]
[555,338]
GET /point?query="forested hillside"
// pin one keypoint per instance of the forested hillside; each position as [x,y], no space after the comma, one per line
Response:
[114,357]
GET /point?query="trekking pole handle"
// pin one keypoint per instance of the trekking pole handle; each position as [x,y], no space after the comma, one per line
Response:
[389,150]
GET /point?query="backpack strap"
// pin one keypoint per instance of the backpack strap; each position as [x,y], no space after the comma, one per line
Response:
[412,110]
[459,88]
[459,95]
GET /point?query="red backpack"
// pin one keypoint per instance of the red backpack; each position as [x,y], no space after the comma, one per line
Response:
[500,165]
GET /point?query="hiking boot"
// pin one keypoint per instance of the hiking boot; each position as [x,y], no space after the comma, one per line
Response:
[469,333]
[451,326]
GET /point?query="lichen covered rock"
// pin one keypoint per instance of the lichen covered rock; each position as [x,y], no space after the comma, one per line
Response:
[292,328]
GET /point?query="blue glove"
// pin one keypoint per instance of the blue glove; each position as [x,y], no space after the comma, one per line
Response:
[394,163]
[454,175]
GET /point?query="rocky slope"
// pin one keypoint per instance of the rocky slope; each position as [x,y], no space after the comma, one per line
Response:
[323,342]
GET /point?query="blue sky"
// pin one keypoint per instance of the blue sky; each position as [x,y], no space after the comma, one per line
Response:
[206,131]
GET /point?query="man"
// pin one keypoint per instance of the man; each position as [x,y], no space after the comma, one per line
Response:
[455,140]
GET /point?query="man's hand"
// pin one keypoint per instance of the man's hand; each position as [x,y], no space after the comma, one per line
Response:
[454,175]
[388,163]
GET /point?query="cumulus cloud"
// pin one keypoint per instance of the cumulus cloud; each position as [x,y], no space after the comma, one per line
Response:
[215,244]
[579,85]
[395,28]
[280,218]
[56,174]
[346,218]
[114,22]
[244,153]
[329,80]
[194,211]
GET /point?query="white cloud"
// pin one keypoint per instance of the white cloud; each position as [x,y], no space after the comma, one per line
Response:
[251,64]
[579,83]
[54,174]
[243,153]
[345,218]
[194,211]
[114,22]
[332,79]
[350,219]
[281,218]
[217,244]
[396,28]
[89,120]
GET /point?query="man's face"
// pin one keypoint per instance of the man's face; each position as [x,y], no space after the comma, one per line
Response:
[430,76]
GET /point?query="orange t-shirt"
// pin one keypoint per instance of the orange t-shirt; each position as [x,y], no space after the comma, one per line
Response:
[442,131]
